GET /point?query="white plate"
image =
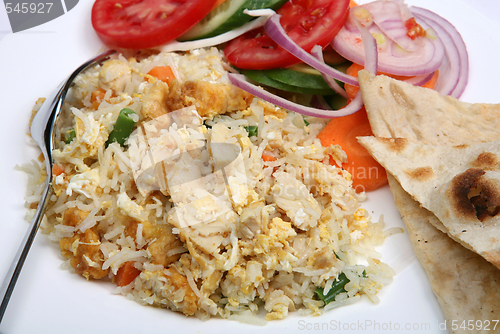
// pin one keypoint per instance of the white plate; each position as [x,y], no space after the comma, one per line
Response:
[48,299]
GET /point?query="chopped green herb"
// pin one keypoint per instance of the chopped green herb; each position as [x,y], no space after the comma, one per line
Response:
[123,127]
[252,130]
[207,125]
[306,122]
[337,287]
[69,135]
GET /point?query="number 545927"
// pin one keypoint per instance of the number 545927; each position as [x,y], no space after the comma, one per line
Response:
[474,325]
[28,7]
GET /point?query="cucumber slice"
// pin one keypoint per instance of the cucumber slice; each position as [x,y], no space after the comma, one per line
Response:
[304,68]
[262,78]
[228,16]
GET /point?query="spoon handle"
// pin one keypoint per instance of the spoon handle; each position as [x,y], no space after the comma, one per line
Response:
[42,131]
[16,266]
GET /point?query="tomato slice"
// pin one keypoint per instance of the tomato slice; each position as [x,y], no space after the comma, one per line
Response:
[307,22]
[141,24]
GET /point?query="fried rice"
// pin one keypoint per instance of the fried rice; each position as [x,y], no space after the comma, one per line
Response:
[222,203]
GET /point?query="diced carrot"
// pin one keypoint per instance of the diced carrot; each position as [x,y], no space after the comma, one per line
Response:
[57,170]
[96,97]
[367,174]
[126,274]
[267,157]
[163,73]
[98,93]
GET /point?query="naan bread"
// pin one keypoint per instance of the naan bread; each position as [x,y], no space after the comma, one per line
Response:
[459,184]
[390,117]
[466,285]
[400,110]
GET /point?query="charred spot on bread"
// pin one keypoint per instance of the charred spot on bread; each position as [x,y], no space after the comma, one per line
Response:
[421,173]
[486,160]
[395,144]
[474,196]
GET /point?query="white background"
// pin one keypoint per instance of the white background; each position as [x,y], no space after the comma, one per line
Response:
[48,299]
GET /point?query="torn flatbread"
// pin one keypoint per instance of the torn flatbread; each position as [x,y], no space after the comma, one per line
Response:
[465,284]
[400,110]
[459,184]
[387,118]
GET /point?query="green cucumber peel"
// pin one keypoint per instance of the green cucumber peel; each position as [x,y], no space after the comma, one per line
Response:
[227,16]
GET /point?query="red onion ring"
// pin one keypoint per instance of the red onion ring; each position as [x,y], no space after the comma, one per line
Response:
[387,15]
[454,73]
[277,33]
[420,80]
[392,58]
[239,80]
[317,52]
[318,101]
[370,47]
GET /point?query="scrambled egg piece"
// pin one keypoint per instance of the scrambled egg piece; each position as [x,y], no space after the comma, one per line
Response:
[81,182]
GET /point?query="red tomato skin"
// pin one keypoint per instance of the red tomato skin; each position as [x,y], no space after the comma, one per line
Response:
[307,22]
[118,29]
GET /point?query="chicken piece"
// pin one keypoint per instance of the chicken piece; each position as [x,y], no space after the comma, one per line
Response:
[293,197]
[165,242]
[188,303]
[154,100]
[115,74]
[159,248]
[131,229]
[250,220]
[84,253]
[82,248]
[74,216]
[210,99]
[324,258]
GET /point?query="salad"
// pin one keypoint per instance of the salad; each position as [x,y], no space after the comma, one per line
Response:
[307,51]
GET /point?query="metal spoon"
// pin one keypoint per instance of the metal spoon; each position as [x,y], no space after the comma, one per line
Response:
[42,131]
